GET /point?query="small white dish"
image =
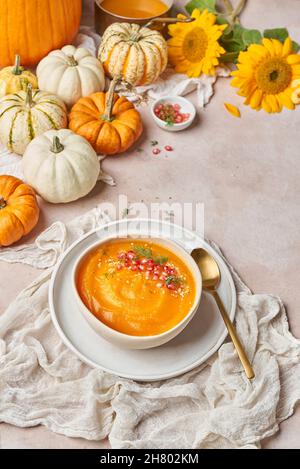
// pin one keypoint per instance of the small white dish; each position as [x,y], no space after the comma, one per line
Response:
[195,345]
[186,108]
[140,342]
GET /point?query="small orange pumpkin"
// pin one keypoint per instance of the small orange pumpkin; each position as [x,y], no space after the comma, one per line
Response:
[19,210]
[108,121]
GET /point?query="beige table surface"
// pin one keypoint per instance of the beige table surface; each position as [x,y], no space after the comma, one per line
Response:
[247,174]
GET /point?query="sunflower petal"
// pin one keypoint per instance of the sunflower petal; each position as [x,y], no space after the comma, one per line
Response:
[233,110]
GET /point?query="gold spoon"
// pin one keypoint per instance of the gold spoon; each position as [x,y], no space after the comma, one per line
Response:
[210,281]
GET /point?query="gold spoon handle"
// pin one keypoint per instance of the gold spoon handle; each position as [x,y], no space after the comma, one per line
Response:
[232,332]
[164,20]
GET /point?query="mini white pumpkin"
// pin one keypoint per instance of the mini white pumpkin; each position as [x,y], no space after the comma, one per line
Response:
[61,166]
[27,114]
[71,74]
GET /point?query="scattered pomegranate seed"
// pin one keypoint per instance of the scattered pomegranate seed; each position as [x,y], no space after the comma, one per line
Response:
[131,255]
[155,277]
[119,267]
[168,148]
[156,151]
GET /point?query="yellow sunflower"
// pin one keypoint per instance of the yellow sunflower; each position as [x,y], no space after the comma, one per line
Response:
[194,47]
[265,75]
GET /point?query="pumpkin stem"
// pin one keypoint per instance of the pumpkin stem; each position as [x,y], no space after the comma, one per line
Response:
[72,61]
[169,21]
[57,146]
[29,99]
[2,202]
[17,70]
[107,116]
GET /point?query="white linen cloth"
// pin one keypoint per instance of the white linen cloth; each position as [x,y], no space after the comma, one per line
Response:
[42,382]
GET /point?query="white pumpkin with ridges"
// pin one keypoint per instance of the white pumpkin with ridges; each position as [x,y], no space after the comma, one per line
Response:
[27,114]
[61,166]
[137,54]
[71,74]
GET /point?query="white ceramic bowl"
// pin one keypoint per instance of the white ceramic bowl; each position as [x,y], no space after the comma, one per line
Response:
[186,108]
[140,342]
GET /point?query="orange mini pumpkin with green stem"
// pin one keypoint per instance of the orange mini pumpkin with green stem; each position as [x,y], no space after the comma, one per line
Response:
[109,122]
[19,210]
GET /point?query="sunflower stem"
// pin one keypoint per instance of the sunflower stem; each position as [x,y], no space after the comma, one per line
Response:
[2,202]
[228,6]
[237,11]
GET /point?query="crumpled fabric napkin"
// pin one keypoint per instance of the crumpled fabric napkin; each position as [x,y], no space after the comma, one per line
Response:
[42,382]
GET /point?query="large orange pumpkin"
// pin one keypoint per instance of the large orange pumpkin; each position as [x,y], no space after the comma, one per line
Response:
[108,121]
[19,210]
[32,28]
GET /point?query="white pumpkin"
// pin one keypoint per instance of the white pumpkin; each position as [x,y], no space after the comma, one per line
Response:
[27,114]
[137,54]
[71,74]
[61,166]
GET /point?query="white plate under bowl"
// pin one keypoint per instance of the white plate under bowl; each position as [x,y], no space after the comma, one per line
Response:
[199,340]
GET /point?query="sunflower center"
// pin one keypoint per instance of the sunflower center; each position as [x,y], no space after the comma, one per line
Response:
[274,75]
[195,45]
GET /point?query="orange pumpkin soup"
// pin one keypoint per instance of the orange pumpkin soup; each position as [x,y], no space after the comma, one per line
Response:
[135,8]
[136,287]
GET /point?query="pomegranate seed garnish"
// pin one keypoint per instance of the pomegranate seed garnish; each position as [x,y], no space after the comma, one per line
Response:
[134,267]
[119,267]
[141,267]
[131,255]
[156,151]
[171,286]
[144,261]
[168,148]
[155,277]
[177,107]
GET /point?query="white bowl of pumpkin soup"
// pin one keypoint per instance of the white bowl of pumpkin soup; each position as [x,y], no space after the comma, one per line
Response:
[137,293]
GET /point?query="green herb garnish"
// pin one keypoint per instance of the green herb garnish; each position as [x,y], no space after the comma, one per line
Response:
[142,251]
[173,279]
[160,260]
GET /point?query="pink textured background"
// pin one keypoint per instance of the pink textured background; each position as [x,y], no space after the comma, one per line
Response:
[247,174]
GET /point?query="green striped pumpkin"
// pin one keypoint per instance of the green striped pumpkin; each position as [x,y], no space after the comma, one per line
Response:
[27,114]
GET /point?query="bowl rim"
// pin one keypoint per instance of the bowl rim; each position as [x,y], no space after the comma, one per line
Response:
[128,18]
[174,98]
[144,338]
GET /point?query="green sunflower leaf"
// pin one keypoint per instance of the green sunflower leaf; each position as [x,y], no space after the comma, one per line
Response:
[281,34]
[277,33]
[209,5]
[251,36]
